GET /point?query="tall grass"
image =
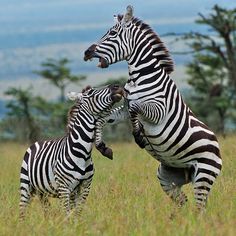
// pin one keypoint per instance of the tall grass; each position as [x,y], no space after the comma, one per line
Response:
[125,199]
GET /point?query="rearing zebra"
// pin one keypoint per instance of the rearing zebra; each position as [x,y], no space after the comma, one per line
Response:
[162,123]
[63,167]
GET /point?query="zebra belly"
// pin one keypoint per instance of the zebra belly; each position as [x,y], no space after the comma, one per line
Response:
[181,154]
[165,158]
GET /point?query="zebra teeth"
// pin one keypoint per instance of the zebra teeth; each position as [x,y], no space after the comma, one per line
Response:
[90,59]
[99,65]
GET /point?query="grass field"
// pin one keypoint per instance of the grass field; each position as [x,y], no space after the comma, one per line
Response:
[125,199]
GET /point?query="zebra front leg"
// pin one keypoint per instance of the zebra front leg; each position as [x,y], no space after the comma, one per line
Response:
[152,111]
[82,194]
[64,195]
[138,131]
[100,145]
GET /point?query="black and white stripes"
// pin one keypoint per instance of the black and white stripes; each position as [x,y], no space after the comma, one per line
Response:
[63,167]
[162,123]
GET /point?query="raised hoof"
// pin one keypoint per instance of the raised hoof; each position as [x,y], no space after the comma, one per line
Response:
[108,153]
[139,139]
[105,151]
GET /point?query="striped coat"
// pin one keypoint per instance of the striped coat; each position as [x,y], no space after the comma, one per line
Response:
[63,167]
[163,124]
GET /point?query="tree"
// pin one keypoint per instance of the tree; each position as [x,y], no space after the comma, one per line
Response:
[20,114]
[52,116]
[58,73]
[30,118]
[212,73]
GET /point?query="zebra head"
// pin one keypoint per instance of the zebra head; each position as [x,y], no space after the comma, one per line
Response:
[97,101]
[115,45]
[132,40]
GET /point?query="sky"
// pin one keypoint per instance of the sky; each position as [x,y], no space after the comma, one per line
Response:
[32,31]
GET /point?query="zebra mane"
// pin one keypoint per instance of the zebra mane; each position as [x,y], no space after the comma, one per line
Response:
[72,113]
[160,50]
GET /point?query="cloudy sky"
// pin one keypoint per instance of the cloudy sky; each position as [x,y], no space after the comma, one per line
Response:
[32,31]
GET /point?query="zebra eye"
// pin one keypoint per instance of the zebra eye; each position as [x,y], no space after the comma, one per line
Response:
[90,92]
[113,33]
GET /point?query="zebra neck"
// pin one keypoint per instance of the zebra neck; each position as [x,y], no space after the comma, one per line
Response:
[80,138]
[147,71]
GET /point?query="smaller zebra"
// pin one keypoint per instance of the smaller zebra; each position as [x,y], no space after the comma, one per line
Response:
[63,167]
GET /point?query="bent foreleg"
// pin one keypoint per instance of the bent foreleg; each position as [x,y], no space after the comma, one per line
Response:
[117,115]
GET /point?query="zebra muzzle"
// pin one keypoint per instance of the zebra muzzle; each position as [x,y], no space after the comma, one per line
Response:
[103,63]
[116,97]
[117,92]
[90,53]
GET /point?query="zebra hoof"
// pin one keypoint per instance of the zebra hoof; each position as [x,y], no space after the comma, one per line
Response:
[108,153]
[140,143]
[139,139]
[105,151]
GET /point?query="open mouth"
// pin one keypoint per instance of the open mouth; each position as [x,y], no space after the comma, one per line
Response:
[103,63]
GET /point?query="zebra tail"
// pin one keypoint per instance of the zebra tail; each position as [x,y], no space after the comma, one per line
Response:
[24,186]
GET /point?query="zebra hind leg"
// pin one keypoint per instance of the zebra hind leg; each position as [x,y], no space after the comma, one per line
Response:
[175,193]
[202,184]
[25,197]
[171,180]
[26,189]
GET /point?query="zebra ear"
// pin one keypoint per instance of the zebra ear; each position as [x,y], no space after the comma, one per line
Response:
[129,14]
[116,19]
[73,96]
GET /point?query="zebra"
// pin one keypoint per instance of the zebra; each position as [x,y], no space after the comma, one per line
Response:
[63,167]
[188,151]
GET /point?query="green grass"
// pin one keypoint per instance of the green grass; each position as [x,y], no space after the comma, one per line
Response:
[125,199]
